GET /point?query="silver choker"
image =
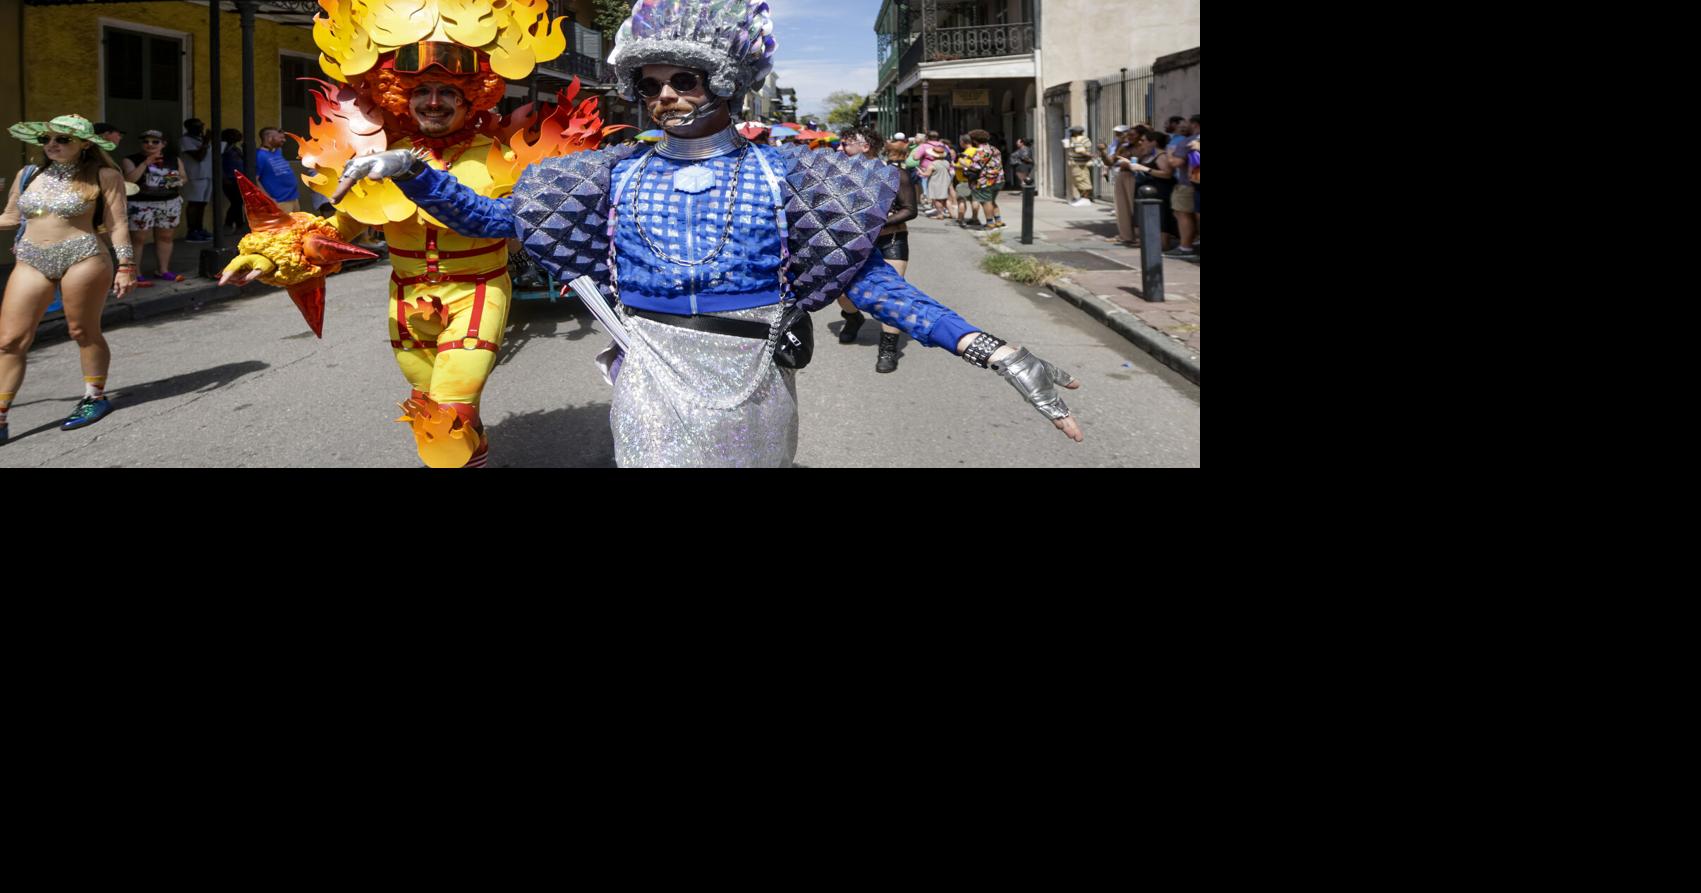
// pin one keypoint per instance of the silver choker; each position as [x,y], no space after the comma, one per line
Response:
[63,169]
[681,149]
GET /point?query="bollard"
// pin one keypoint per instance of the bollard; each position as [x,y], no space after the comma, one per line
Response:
[1150,208]
[1028,214]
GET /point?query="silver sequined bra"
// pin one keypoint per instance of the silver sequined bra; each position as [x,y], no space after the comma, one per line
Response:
[52,191]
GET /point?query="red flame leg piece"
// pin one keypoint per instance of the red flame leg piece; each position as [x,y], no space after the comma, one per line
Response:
[309,298]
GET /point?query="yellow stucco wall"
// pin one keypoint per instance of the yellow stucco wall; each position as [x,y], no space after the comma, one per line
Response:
[62,62]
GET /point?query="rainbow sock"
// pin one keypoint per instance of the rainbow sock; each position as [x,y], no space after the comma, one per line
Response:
[5,406]
[94,386]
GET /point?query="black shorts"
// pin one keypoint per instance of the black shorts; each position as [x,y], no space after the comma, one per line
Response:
[895,246]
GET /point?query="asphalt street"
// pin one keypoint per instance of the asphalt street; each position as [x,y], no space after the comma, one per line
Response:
[243,383]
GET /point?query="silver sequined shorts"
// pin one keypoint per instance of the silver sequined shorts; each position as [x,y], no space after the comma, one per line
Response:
[690,399]
[53,260]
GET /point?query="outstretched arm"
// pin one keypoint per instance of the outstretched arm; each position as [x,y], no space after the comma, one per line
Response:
[880,291]
[438,193]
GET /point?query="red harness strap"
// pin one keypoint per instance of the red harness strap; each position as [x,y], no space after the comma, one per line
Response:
[471,341]
[446,255]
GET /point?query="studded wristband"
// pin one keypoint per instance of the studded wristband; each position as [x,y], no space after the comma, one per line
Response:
[981,349]
[418,167]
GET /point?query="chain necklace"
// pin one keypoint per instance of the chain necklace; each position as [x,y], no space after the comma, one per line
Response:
[726,231]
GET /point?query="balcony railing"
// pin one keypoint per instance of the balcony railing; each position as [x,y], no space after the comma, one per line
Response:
[589,70]
[979,42]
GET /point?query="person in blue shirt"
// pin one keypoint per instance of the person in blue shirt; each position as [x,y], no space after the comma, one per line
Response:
[719,248]
[277,175]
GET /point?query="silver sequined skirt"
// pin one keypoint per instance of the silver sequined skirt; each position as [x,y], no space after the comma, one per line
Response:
[690,399]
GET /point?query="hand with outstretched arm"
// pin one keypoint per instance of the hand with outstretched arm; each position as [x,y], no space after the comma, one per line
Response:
[878,289]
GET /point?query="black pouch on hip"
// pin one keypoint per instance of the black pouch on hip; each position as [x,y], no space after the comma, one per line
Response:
[796,345]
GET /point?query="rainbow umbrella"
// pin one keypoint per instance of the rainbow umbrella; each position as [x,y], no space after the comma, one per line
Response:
[792,124]
[781,131]
[650,136]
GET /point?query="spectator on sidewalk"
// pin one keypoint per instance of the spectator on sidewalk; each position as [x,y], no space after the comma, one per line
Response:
[231,160]
[936,169]
[1023,159]
[987,168]
[1114,157]
[277,175]
[1153,169]
[196,148]
[1080,165]
[963,191]
[1182,199]
[157,207]
[1193,175]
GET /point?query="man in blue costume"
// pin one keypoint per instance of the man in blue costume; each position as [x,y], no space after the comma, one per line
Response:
[715,247]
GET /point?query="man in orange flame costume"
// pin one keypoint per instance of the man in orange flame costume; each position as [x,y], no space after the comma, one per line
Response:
[424,75]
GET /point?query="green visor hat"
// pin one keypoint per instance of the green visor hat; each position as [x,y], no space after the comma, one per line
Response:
[69,125]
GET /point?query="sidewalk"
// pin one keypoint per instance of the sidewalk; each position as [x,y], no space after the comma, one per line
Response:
[1104,279]
[162,298]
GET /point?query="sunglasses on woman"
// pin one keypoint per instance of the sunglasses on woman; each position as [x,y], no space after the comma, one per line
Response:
[56,139]
[681,82]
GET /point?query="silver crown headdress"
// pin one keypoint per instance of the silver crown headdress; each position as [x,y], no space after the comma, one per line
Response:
[732,40]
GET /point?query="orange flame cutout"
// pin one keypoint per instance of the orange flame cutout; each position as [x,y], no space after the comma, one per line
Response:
[561,128]
[425,309]
[348,124]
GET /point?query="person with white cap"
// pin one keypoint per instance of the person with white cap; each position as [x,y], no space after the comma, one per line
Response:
[1080,165]
[713,318]
[1118,158]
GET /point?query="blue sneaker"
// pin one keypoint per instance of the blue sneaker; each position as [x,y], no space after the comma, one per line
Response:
[89,410]
[3,430]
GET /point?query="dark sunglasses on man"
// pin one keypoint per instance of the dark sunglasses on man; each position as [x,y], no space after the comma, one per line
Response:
[681,82]
[57,138]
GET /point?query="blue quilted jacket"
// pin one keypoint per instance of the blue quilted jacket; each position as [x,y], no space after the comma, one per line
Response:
[829,212]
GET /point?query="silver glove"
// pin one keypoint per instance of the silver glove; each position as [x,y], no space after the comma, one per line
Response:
[1037,382]
[392,164]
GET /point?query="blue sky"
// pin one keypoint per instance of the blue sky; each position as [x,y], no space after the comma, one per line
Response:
[823,46]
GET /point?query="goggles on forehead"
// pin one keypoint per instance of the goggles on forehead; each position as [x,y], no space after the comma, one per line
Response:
[452,57]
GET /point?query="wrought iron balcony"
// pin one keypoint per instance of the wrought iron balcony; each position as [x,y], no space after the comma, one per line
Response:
[589,70]
[978,42]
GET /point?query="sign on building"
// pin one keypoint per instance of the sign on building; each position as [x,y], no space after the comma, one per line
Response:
[965,99]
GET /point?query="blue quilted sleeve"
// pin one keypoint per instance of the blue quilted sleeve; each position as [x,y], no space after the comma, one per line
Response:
[834,211]
[890,298]
[561,212]
[461,209]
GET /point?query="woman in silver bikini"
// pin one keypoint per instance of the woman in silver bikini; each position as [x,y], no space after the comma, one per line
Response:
[54,210]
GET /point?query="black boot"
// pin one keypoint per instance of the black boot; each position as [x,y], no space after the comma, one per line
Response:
[853,324]
[888,361]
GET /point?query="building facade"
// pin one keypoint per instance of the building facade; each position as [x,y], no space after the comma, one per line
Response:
[1033,68]
[956,65]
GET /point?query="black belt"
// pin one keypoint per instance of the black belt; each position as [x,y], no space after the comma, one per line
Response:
[738,328]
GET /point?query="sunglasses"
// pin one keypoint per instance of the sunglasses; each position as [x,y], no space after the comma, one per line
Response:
[681,82]
[56,139]
[151,140]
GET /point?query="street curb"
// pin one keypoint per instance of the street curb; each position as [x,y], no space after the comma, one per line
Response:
[1126,324]
[118,314]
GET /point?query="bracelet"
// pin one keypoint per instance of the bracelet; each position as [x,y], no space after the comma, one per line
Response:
[126,253]
[981,349]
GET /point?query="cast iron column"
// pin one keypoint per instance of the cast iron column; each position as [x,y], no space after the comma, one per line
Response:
[249,138]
